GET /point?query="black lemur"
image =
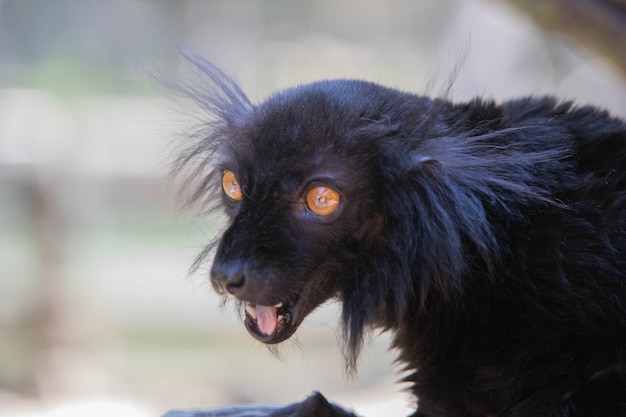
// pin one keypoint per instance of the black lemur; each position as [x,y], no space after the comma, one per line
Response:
[489,238]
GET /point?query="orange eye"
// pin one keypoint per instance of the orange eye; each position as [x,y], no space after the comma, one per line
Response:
[231,187]
[322,201]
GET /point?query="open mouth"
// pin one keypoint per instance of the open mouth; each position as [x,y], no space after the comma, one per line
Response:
[270,324]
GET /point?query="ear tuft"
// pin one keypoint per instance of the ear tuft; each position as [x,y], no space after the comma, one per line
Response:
[224,106]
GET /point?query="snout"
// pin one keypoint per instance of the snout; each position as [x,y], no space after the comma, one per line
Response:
[244,282]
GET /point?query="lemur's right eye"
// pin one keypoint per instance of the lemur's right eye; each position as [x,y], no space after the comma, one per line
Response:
[231,186]
[322,201]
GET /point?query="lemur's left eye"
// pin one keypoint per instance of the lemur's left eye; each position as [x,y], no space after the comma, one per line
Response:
[231,186]
[322,201]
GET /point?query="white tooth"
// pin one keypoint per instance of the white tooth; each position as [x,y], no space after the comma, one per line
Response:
[279,305]
[252,311]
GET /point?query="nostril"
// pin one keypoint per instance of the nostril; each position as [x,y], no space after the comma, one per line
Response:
[228,278]
[235,282]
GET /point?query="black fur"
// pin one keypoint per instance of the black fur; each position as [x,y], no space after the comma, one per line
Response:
[489,238]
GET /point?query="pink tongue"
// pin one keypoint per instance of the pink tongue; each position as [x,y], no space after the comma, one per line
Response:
[266,319]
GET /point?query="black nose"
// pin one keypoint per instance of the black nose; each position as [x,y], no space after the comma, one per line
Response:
[229,278]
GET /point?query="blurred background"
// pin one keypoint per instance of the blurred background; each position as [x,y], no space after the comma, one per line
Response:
[98,315]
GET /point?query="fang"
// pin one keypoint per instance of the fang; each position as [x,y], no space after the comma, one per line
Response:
[252,311]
